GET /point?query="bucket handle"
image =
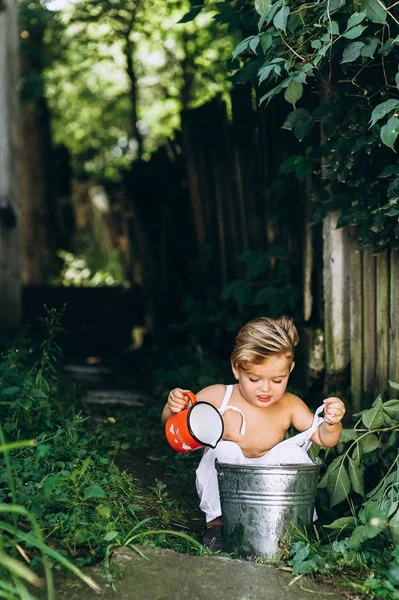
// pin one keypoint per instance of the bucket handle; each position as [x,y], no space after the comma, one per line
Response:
[191,396]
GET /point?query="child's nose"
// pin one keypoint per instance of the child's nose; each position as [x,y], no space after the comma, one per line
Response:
[265,387]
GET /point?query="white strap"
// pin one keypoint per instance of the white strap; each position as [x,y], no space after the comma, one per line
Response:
[226,399]
[243,423]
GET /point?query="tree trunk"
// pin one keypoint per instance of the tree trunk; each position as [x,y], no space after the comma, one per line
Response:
[10,284]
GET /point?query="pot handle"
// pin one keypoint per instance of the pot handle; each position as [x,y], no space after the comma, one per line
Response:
[191,396]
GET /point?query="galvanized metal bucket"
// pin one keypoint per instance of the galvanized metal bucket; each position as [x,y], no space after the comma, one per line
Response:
[262,505]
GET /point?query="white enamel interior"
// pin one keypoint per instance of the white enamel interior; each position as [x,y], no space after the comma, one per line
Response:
[206,423]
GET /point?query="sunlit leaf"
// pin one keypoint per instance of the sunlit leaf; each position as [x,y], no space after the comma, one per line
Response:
[368,443]
[356,474]
[352,52]
[381,110]
[354,33]
[94,491]
[343,523]
[338,485]
[394,529]
[390,132]
[373,418]
[280,19]
[374,10]
[355,19]
[293,92]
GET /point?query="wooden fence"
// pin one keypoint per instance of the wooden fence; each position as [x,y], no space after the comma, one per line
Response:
[353,295]
[374,323]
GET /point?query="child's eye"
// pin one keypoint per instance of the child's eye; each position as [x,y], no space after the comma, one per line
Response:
[279,381]
[253,380]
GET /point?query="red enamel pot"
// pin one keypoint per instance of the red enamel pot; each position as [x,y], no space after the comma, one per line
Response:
[195,427]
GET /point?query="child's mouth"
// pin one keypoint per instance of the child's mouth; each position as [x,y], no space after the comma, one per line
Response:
[264,398]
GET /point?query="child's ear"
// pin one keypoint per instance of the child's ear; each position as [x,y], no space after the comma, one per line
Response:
[292,366]
[235,371]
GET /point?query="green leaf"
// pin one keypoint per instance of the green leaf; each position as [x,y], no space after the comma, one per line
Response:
[393,508]
[94,491]
[266,40]
[333,28]
[348,435]
[49,484]
[359,535]
[43,450]
[269,95]
[190,16]
[265,72]
[343,523]
[35,393]
[293,92]
[354,33]
[390,132]
[373,418]
[393,384]
[300,121]
[111,535]
[397,79]
[388,172]
[239,290]
[355,19]
[11,391]
[374,11]
[253,44]
[392,409]
[338,485]
[262,5]
[243,45]
[356,474]
[269,14]
[383,109]
[257,262]
[103,511]
[368,443]
[280,19]
[370,47]
[352,52]
[336,4]
[26,403]
[394,529]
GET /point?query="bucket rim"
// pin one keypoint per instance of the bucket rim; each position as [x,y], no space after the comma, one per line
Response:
[273,468]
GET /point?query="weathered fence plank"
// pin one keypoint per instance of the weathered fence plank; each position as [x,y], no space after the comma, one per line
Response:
[394,319]
[356,320]
[369,323]
[382,321]
[336,298]
[10,279]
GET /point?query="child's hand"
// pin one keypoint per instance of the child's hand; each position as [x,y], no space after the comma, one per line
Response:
[177,401]
[334,410]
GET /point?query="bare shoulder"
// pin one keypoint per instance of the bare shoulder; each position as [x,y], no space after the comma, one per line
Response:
[213,394]
[293,401]
[301,415]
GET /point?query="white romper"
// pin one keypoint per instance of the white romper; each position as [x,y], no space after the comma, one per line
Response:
[287,452]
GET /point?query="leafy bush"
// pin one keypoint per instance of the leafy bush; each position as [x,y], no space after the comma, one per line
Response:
[59,483]
[361,485]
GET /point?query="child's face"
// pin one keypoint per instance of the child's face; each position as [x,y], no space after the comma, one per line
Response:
[264,384]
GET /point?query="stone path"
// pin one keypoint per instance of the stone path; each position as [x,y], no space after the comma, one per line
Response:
[167,575]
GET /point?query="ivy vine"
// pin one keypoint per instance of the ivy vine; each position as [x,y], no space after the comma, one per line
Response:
[336,63]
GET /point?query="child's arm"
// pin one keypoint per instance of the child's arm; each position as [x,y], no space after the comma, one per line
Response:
[329,432]
[177,401]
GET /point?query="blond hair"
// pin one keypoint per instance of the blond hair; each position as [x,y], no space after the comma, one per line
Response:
[262,338]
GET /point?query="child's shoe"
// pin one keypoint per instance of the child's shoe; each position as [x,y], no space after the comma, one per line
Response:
[213,538]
